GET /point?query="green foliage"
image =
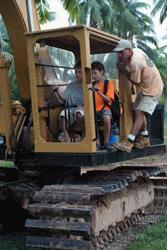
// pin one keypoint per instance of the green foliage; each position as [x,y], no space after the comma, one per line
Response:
[124,18]
[44,15]
[7,52]
[154,238]
[44,12]
[73,9]
[95,13]
[6,164]
[160,6]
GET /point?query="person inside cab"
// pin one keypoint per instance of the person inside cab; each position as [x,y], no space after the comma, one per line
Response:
[103,103]
[74,111]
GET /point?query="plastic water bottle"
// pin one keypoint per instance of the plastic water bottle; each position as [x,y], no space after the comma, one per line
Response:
[1,140]
[114,138]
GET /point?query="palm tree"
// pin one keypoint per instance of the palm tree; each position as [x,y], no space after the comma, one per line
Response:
[122,17]
[160,59]
[44,15]
[160,6]
[130,21]
[6,50]
[95,13]
[43,10]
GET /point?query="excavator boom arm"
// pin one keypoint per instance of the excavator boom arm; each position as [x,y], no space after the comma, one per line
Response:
[14,14]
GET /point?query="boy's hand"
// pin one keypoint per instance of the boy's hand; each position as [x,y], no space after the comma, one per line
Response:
[55,89]
[97,88]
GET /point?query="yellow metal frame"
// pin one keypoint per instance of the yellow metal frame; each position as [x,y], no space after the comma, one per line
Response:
[83,35]
[5,101]
[87,144]
[14,15]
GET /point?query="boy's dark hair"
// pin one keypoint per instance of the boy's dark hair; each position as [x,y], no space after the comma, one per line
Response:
[98,65]
[77,65]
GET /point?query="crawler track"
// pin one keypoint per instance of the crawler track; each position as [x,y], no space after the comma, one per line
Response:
[154,212]
[87,213]
[124,237]
[160,194]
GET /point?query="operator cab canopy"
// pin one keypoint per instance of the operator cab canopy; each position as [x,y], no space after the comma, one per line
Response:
[64,38]
[46,50]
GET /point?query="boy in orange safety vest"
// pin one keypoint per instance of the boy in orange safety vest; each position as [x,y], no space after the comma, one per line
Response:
[103,102]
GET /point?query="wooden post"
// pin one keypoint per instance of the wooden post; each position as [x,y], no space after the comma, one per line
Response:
[126,100]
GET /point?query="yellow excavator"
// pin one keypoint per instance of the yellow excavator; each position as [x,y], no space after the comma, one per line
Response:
[78,199]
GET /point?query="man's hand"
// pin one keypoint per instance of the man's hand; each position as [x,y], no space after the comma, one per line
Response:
[122,66]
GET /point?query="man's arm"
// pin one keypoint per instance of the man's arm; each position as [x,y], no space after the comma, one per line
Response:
[122,67]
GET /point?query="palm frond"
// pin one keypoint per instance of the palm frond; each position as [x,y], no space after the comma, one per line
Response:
[163,14]
[44,12]
[158,6]
[161,7]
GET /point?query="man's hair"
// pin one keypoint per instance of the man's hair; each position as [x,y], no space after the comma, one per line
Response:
[98,65]
[77,65]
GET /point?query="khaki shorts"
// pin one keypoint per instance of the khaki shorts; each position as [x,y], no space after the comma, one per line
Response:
[70,114]
[146,103]
[104,112]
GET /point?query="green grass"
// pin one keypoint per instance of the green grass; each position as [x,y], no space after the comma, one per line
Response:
[153,238]
[7,164]
[165,135]
[14,242]
[11,242]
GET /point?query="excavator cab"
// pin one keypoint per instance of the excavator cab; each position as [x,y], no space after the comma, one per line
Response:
[33,126]
[47,70]
[76,44]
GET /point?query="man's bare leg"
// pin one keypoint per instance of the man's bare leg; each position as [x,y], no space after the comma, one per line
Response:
[139,122]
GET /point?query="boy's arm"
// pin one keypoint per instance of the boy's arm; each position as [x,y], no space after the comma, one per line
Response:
[58,95]
[105,97]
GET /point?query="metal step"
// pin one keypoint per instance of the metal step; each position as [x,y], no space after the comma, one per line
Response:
[57,244]
[41,210]
[81,198]
[66,197]
[55,227]
[80,194]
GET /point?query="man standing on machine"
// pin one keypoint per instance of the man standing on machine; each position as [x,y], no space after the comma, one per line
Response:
[141,72]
